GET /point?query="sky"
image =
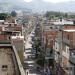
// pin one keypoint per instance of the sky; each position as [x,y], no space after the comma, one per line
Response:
[53,1]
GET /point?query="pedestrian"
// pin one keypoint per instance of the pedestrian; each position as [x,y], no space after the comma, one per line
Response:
[46,71]
[49,72]
[27,72]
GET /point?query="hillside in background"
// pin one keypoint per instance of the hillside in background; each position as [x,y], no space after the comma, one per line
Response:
[37,6]
[9,5]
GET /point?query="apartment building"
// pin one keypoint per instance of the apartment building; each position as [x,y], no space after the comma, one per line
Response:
[64,49]
[68,44]
[49,32]
[10,29]
[10,62]
[53,34]
[18,42]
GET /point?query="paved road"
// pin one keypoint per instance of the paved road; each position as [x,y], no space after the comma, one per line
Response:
[29,61]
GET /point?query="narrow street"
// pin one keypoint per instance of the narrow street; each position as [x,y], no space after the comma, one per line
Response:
[29,57]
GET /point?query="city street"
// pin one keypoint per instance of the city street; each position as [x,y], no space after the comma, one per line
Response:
[29,57]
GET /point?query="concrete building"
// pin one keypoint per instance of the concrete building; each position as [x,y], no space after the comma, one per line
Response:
[53,38]
[9,29]
[18,42]
[64,49]
[10,63]
[10,57]
[49,32]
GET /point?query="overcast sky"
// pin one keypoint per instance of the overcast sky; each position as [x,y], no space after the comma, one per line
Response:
[54,1]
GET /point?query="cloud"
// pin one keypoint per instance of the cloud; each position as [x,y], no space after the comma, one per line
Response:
[56,1]
[28,0]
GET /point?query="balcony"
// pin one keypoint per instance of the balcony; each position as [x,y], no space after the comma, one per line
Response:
[72,56]
[5,42]
[12,29]
[66,41]
[65,54]
[50,56]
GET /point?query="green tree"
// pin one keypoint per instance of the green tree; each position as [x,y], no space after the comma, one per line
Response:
[66,15]
[13,14]
[40,62]
[3,16]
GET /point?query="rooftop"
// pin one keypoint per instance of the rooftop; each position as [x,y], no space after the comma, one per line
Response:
[10,63]
[7,62]
[1,20]
[58,22]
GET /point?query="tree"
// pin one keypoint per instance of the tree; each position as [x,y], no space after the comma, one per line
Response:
[3,16]
[66,15]
[13,14]
[40,62]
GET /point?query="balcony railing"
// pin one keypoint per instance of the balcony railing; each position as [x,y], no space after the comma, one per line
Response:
[66,41]
[72,56]
[50,56]
[12,29]
[5,42]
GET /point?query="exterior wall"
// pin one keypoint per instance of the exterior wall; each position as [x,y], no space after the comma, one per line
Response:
[8,62]
[68,67]
[64,42]
[57,47]
[5,59]
[50,38]
[3,37]
[0,29]
[66,52]
[73,39]
[69,27]
[49,35]
[69,35]
[65,64]
[18,42]
[67,45]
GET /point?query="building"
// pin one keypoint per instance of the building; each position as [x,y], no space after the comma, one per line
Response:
[49,32]
[8,30]
[53,38]
[18,42]
[64,49]
[9,61]
[11,48]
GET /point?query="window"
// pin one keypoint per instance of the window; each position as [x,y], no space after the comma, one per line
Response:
[4,66]
[51,51]
[50,27]
[68,37]
[56,27]
[3,23]
[73,54]
[9,24]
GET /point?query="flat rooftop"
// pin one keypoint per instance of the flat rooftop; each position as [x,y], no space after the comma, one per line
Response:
[7,63]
